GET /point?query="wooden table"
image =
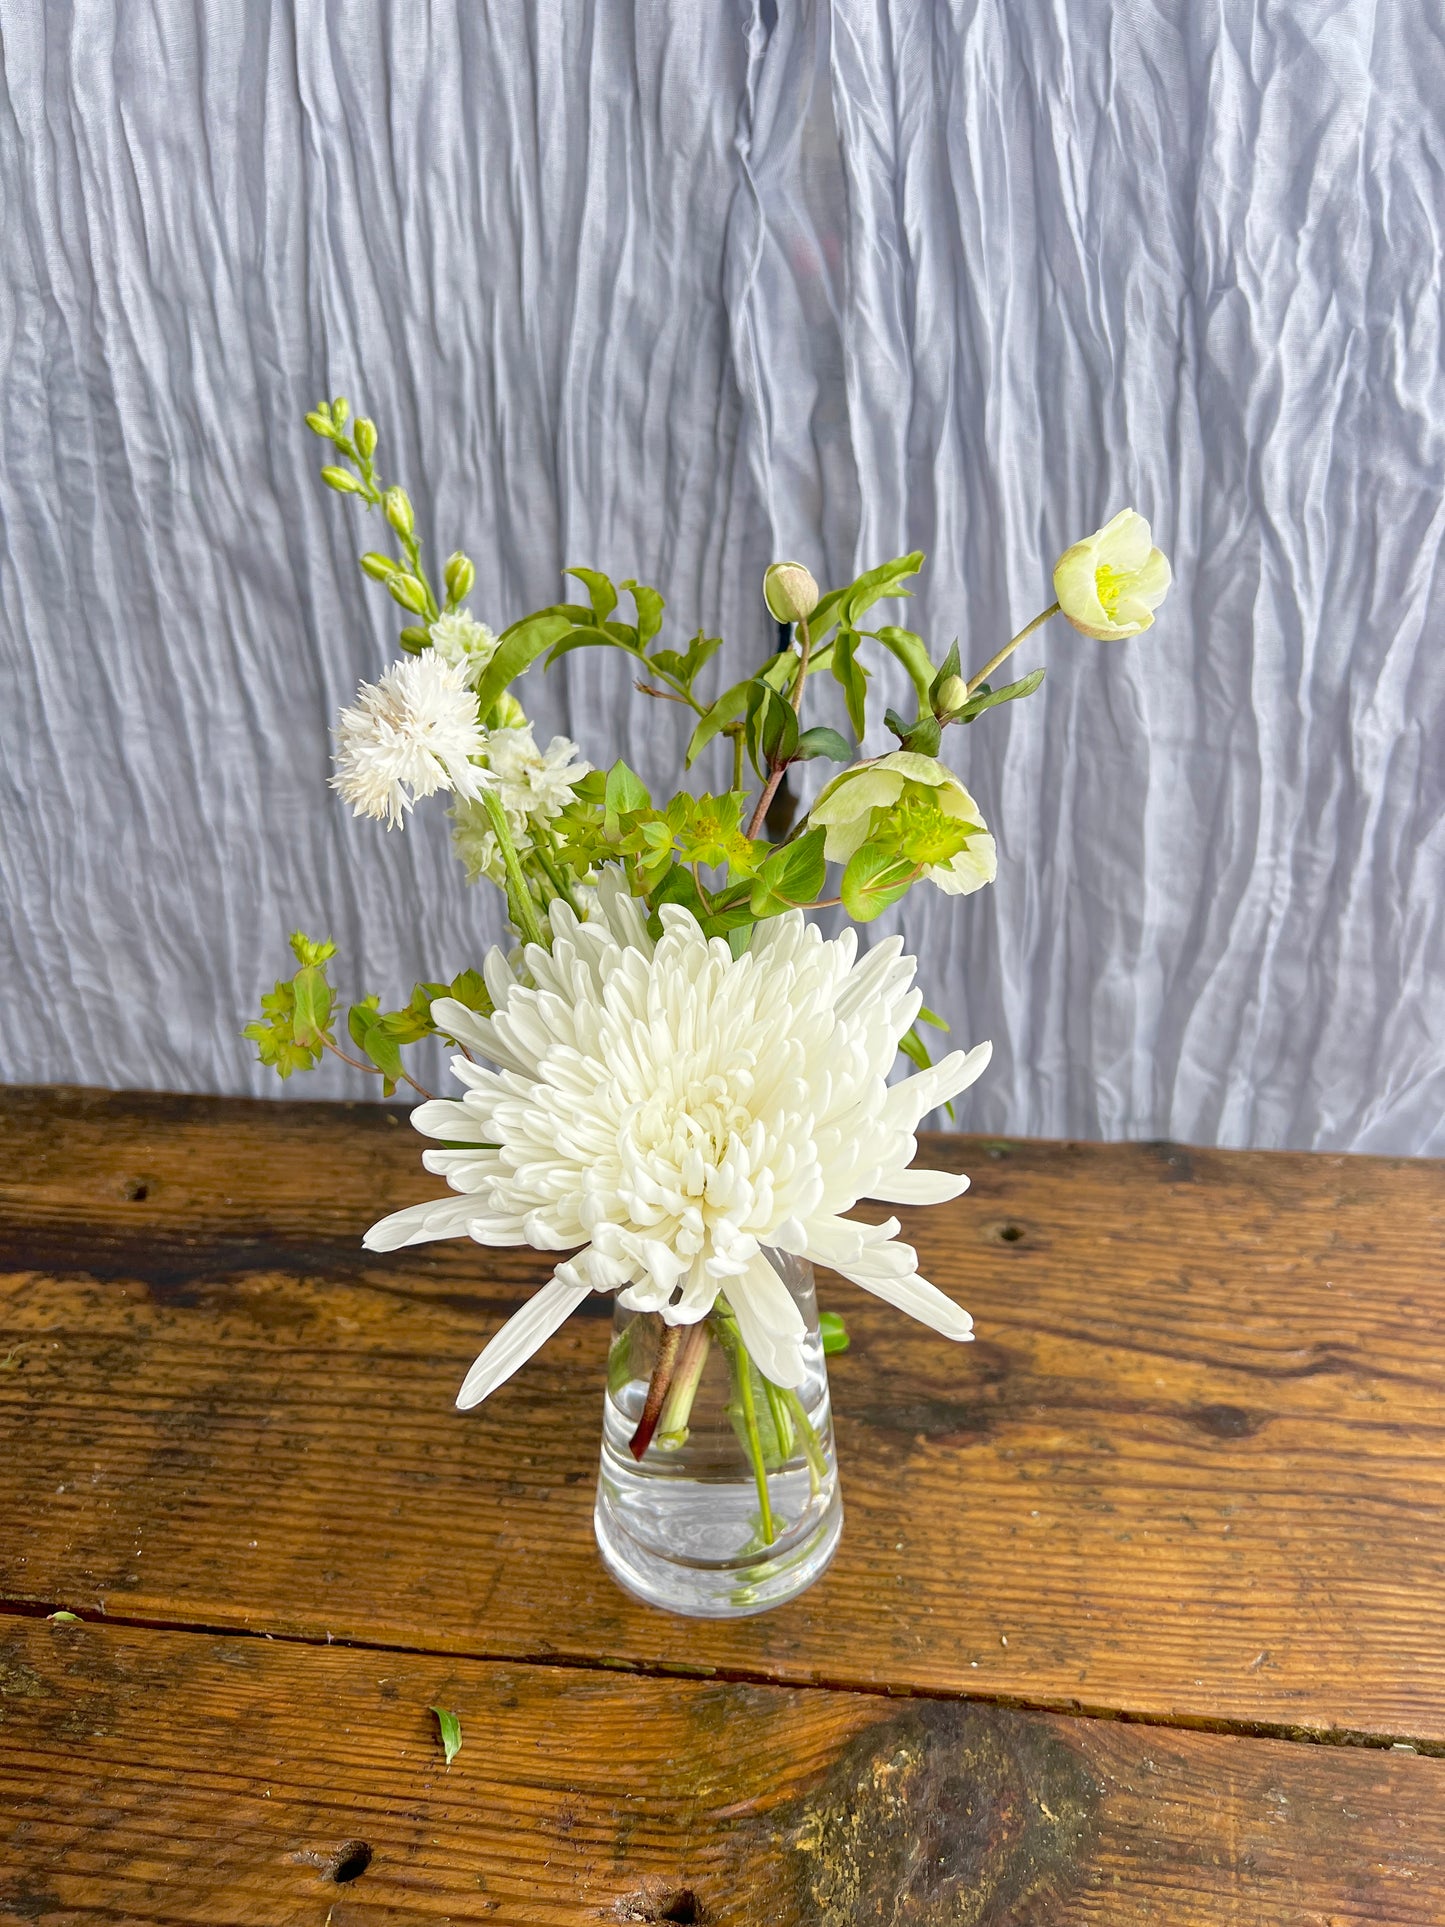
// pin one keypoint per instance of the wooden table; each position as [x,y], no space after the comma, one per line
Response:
[1139,1613]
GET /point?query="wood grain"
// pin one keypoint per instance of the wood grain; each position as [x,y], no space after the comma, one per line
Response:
[1193,1469]
[163,1777]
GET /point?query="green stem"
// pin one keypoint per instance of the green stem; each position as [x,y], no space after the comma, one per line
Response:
[545,851]
[812,1450]
[524,913]
[737,735]
[807,650]
[742,1368]
[1009,647]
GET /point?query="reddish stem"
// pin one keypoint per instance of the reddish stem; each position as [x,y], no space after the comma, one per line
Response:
[662,1371]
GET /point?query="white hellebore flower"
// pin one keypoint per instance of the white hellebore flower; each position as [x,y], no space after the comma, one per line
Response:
[409,735]
[1110,584]
[532,785]
[672,1109]
[904,795]
[459,638]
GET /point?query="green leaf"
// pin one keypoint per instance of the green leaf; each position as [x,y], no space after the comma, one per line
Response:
[470,988]
[615,635]
[792,876]
[313,1003]
[683,669]
[847,604]
[915,1050]
[625,790]
[727,709]
[990,698]
[927,1016]
[517,649]
[910,651]
[384,1051]
[851,677]
[307,950]
[874,880]
[451,1732]
[772,728]
[678,885]
[600,590]
[65,1619]
[650,606]
[834,1333]
[822,741]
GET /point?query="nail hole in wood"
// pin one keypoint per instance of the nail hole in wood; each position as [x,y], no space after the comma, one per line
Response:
[352,1862]
[1010,1234]
[682,1907]
[137,1190]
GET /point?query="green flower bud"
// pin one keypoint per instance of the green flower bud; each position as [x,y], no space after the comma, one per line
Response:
[380,568]
[953,695]
[507,713]
[340,410]
[319,422]
[397,506]
[364,435]
[413,640]
[790,591]
[460,576]
[408,592]
[342,480]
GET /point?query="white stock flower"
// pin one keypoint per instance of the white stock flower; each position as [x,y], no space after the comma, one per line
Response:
[411,734]
[1110,584]
[672,1110]
[533,786]
[469,645]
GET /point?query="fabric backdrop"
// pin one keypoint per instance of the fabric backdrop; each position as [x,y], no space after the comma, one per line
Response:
[674,288]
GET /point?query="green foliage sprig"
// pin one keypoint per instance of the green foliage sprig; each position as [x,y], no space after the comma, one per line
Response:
[710,852]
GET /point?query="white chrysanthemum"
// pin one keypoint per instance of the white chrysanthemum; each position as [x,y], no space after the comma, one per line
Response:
[458,638]
[411,734]
[533,786]
[672,1109]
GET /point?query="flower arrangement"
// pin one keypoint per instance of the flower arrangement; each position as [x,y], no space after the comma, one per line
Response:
[674,1077]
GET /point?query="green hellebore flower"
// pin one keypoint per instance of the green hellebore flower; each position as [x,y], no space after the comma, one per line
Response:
[1110,584]
[910,800]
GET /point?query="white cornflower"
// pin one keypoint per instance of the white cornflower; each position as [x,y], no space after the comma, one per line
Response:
[469,645]
[533,786]
[672,1109]
[409,735]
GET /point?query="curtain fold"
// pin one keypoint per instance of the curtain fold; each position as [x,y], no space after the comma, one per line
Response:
[675,290]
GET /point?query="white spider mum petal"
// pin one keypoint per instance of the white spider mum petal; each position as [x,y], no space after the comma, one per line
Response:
[677,1110]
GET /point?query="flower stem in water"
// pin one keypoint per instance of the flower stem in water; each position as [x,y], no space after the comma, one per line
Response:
[742,1370]
[686,1377]
[667,1350]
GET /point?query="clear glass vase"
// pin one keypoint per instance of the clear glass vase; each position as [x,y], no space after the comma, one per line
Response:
[733,1506]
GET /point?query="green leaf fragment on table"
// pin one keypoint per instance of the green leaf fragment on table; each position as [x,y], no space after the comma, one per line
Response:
[65,1619]
[451,1732]
[834,1333]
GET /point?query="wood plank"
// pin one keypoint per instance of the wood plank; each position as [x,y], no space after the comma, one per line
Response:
[160,1777]
[1193,1468]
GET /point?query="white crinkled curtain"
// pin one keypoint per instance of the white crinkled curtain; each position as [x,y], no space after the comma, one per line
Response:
[675,289]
